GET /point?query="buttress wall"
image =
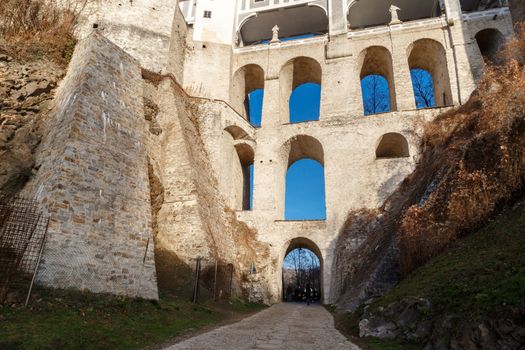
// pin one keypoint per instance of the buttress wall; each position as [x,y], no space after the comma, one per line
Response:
[194,219]
[93,178]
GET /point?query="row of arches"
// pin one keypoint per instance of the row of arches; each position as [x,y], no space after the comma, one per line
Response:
[303,172]
[256,28]
[300,80]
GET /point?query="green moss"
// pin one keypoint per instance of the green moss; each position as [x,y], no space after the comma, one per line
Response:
[477,275]
[72,320]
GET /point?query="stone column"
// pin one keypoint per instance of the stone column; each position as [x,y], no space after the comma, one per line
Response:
[452,9]
[337,17]
[269,176]
[402,81]
[337,93]
[461,46]
[271,103]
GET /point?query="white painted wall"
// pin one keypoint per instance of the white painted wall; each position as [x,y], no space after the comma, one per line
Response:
[218,28]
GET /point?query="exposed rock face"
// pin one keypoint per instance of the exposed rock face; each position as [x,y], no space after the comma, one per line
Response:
[366,263]
[517,8]
[26,91]
[403,319]
[409,319]
[180,168]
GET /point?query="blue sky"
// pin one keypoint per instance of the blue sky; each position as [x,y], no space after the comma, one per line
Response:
[305,183]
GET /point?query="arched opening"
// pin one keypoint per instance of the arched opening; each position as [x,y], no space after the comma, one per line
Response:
[423,88]
[258,29]
[237,167]
[247,93]
[246,157]
[490,42]
[377,80]
[302,272]
[363,14]
[429,55]
[300,89]
[304,180]
[305,103]
[305,191]
[392,145]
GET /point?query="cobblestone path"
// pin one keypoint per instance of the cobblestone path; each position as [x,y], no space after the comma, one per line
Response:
[282,326]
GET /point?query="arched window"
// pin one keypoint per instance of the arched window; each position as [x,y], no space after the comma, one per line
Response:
[430,56]
[489,43]
[423,88]
[246,155]
[302,272]
[305,103]
[247,93]
[305,191]
[237,167]
[377,80]
[304,179]
[300,85]
[392,145]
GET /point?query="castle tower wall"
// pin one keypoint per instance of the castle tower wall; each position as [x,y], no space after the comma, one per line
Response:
[93,178]
[142,28]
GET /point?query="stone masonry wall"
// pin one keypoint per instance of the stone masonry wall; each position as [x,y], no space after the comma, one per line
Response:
[93,178]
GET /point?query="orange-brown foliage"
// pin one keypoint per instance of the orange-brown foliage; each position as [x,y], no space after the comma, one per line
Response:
[481,152]
[34,29]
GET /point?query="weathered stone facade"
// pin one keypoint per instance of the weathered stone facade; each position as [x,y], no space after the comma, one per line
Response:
[94,163]
[93,177]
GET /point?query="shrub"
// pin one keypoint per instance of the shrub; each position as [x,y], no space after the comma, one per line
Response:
[35,29]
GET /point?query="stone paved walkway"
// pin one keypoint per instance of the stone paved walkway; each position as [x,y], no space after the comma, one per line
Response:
[282,326]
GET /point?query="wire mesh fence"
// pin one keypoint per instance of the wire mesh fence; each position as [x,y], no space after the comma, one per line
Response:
[23,229]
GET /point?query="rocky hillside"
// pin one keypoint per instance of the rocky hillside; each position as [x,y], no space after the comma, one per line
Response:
[26,91]
[470,297]
[472,162]
[452,233]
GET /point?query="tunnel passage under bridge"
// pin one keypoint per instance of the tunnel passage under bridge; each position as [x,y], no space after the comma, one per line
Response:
[302,272]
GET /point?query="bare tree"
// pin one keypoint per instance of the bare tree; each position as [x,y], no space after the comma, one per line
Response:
[306,267]
[423,88]
[376,94]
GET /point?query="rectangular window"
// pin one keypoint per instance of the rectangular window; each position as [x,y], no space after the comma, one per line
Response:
[207,14]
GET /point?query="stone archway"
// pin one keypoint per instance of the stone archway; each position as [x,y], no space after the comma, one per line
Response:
[315,282]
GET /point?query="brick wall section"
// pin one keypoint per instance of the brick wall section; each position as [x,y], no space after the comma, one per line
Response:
[93,177]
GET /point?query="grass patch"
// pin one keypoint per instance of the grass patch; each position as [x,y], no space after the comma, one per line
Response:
[476,276]
[74,320]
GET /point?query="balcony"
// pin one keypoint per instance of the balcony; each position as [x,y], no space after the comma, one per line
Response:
[256,18]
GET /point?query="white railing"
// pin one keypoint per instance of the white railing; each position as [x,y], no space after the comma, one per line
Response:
[420,23]
[502,11]
[247,6]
